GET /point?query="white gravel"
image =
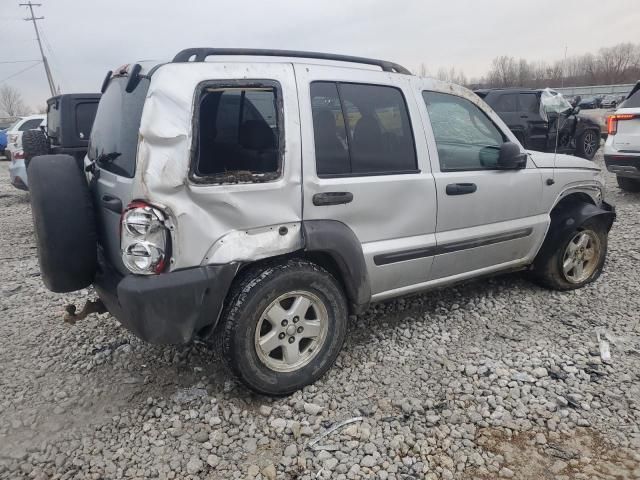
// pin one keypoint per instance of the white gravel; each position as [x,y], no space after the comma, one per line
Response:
[493,378]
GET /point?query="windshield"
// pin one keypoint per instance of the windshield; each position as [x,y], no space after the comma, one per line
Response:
[114,136]
[554,102]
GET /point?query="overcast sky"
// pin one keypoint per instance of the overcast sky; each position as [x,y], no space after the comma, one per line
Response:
[85,38]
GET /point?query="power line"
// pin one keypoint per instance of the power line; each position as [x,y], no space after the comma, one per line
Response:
[20,61]
[33,19]
[21,71]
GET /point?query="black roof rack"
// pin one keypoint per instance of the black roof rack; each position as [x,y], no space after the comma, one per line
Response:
[200,54]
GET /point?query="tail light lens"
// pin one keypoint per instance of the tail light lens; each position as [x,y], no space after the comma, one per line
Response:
[612,121]
[144,239]
[19,155]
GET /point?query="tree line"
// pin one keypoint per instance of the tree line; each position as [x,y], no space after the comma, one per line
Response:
[608,66]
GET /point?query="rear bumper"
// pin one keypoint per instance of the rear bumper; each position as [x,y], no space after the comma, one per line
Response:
[623,165]
[168,308]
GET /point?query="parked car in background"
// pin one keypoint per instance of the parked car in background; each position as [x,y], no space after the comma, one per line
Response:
[588,103]
[3,141]
[69,121]
[15,131]
[622,148]
[535,117]
[610,101]
[295,194]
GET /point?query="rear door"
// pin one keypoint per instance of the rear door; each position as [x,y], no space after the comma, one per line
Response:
[113,149]
[363,142]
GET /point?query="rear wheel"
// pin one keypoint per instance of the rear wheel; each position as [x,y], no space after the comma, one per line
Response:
[283,326]
[34,143]
[578,260]
[587,144]
[629,184]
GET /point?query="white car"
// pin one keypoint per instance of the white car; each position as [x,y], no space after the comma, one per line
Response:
[14,151]
[622,148]
[14,133]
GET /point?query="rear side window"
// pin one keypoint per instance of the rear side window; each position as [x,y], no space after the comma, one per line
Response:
[239,135]
[529,103]
[632,102]
[361,130]
[30,124]
[114,136]
[85,115]
[466,138]
[506,103]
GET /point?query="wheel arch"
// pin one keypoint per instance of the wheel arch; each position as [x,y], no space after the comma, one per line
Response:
[571,212]
[334,246]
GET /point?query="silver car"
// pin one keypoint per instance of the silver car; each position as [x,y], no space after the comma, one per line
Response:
[260,198]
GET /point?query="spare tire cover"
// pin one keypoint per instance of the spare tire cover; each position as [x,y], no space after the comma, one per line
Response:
[64,222]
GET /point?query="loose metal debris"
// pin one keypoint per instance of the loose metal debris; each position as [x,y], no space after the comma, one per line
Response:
[329,431]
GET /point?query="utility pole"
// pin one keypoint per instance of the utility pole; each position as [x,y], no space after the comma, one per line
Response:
[33,18]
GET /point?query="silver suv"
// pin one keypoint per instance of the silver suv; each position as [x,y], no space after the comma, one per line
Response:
[259,198]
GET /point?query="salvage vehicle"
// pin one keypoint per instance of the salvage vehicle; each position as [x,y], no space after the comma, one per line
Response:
[535,117]
[610,101]
[259,198]
[69,120]
[622,148]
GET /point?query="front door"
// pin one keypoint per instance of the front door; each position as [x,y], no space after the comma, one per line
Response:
[488,219]
[365,164]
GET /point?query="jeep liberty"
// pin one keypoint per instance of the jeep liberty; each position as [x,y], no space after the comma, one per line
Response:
[259,198]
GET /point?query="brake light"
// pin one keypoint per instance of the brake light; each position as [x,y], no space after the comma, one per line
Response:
[612,121]
[144,239]
[19,155]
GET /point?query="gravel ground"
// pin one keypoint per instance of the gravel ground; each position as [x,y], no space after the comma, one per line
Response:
[493,378]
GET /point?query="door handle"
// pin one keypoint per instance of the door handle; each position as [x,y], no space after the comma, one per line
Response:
[461,188]
[524,116]
[112,203]
[332,198]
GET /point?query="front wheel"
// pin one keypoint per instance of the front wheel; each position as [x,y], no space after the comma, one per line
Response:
[283,326]
[578,260]
[587,144]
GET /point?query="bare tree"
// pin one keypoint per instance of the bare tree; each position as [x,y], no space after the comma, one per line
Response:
[504,72]
[423,71]
[11,102]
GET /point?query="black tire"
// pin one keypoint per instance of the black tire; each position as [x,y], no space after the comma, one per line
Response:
[548,267]
[248,300]
[64,223]
[628,184]
[34,143]
[587,144]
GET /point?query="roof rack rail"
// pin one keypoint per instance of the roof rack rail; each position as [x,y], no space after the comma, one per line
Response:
[200,54]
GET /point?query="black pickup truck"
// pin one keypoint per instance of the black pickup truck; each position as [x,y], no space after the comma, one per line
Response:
[535,117]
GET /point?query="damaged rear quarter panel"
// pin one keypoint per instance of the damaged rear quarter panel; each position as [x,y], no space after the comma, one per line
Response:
[201,213]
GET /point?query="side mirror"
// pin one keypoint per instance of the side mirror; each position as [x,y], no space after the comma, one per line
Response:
[510,157]
[576,110]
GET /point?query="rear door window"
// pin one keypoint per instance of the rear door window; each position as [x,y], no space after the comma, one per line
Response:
[239,135]
[361,130]
[632,102]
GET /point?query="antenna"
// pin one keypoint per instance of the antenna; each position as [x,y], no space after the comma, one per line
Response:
[33,18]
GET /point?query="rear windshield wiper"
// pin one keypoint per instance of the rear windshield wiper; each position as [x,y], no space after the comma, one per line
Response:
[106,158]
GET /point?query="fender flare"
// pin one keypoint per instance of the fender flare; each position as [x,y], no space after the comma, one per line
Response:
[571,215]
[337,240]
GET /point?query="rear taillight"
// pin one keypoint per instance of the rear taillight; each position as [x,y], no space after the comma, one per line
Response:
[19,155]
[612,121]
[144,239]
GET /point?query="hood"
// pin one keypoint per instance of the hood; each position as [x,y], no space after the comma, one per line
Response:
[546,160]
